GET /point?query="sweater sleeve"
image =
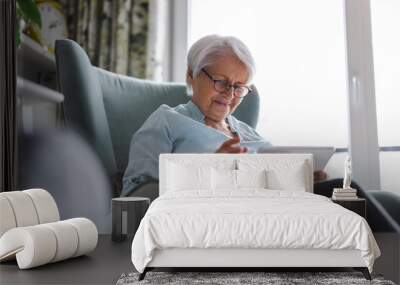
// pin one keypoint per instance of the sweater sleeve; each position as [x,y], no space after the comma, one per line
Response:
[152,139]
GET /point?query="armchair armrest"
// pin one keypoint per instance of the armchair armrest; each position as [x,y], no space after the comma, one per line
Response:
[380,211]
[65,165]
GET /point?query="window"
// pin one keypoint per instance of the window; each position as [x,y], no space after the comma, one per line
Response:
[299,48]
[386,46]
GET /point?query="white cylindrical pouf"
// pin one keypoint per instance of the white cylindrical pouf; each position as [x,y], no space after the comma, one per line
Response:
[31,232]
[7,218]
[87,234]
[67,239]
[45,205]
[33,246]
[23,208]
[40,247]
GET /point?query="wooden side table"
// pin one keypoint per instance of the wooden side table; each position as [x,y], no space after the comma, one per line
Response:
[357,205]
[127,212]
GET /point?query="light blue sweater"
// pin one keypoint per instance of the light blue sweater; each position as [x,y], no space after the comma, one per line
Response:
[175,130]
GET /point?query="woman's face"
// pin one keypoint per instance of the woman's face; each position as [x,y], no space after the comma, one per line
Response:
[216,106]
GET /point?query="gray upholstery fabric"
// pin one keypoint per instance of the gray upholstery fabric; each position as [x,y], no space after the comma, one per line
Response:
[128,102]
[66,166]
[107,108]
[390,202]
[83,106]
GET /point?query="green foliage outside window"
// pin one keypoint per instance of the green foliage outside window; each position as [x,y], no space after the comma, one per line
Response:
[28,12]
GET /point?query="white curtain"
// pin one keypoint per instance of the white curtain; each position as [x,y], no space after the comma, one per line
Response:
[159,37]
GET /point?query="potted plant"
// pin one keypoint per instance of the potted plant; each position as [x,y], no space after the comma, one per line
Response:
[28,20]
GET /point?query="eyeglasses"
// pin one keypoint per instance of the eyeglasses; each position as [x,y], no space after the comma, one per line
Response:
[239,91]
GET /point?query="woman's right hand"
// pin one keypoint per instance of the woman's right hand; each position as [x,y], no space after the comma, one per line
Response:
[232,146]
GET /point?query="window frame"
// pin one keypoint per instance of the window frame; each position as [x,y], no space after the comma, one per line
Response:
[362,119]
[179,31]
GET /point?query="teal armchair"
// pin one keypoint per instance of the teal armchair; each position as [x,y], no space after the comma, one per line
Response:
[106,109]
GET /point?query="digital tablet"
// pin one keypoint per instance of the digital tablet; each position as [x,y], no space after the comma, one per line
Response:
[321,154]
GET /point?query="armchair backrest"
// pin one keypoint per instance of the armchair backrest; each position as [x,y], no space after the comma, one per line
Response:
[107,108]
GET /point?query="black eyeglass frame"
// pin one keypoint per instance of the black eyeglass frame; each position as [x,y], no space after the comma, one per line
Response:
[227,85]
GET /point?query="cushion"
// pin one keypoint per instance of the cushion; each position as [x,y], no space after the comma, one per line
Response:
[23,208]
[291,178]
[172,166]
[281,174]
[251,178]
[188,177]
[45,206]
[40,244]
[223,179]
[27,208]
[231,180]
[7,220]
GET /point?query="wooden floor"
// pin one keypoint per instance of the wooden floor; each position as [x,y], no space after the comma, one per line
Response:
[110,259]
[102,266]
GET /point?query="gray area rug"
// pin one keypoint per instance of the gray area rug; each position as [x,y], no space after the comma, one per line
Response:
[226,278]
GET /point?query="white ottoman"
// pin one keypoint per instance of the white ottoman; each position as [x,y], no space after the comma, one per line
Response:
[31,233]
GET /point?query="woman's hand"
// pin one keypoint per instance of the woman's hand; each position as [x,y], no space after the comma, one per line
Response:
[320,176]
[232,146]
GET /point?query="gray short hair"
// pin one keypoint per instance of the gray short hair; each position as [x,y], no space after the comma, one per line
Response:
[206,50]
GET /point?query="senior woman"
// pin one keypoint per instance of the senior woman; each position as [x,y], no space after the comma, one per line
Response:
[219,73]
